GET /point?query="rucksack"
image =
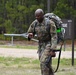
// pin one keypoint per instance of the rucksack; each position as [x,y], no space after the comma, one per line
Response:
[58,22]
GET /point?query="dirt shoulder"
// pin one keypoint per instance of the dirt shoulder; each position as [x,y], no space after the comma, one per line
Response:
[15,52]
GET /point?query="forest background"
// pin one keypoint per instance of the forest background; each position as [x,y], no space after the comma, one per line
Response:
[16,15]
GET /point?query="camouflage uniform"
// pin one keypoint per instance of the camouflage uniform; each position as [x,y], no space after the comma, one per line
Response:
[47,36]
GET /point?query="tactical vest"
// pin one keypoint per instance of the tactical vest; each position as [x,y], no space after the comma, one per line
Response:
[43,30]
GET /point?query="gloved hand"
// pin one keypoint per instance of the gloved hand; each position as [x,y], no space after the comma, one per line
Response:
[52,53]
[30,35]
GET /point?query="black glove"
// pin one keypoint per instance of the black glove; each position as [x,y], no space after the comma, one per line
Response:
[30,35]
[29,38]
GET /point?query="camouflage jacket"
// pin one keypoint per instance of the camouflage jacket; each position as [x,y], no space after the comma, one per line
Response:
[46,31]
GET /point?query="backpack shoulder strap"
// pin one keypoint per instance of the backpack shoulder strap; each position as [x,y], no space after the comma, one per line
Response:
[34,27]
[47,23]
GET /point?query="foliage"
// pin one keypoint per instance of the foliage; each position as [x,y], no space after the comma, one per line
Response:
[9,27]
[64,9]
[16,15]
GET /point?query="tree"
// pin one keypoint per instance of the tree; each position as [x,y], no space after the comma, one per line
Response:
[18,14]
[64,9]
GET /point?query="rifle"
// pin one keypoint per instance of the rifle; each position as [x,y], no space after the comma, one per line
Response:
[50,58]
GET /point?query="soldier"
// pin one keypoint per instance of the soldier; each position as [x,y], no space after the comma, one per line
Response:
[47,36]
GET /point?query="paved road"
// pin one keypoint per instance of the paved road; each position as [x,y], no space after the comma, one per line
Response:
[14,52]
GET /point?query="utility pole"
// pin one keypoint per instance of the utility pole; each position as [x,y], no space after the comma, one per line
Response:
[48,6]
[73,36]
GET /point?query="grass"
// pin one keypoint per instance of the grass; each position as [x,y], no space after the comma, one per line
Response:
[28,66]
[67,48]
[19,62]
[18,46]
[31,45]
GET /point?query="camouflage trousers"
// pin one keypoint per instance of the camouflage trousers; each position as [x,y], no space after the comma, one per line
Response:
[44,49]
